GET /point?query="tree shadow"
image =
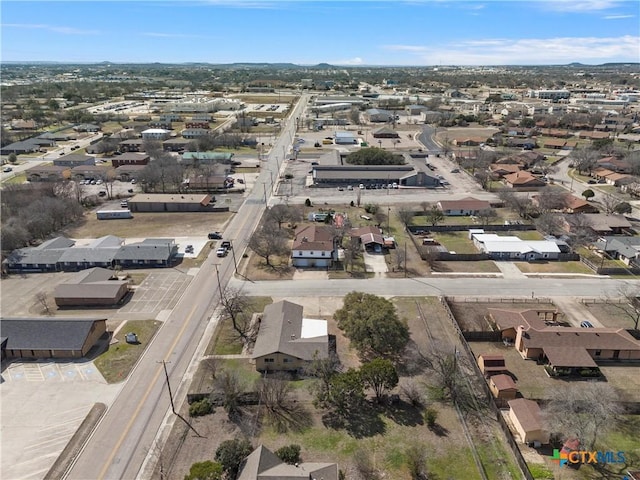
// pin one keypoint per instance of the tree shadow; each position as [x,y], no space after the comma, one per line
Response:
[439,430]
[359,423]
[403,413]
[293,417]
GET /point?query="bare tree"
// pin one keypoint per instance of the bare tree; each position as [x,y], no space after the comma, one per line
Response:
[275,393]
[43,300]
[628,303]
[406,215]
[267,242]
[584,159]
[228,383]
[400,258]
[211,365]
[550,223]
[365,465]
[609,203]
[487,215]
[234,308]
[551,198]
[519,203]
[434,215]
[585,411]
[282,213]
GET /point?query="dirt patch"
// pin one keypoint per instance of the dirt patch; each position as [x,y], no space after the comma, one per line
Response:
[471,315]
[150,225]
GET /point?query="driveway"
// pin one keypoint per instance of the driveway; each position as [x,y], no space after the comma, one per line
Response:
[375,263]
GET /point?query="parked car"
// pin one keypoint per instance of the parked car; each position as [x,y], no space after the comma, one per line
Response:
[133,181]
[102,193]
[226,244]
[221,252]
[586,324]
[455,170]
[7,169]
[215,236]
[188,249]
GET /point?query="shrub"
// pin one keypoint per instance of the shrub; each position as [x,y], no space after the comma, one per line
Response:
[200,408]
[430,416]
[289,454]
[307,203]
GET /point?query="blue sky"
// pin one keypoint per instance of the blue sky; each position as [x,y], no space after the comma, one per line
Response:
[382,32]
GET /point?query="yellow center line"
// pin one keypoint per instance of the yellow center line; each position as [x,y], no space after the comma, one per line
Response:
[144,399]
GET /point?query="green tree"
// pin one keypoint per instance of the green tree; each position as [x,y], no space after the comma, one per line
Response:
[434,216]
[374,156]
[231,453]
[623,207]
[372,325]
[205,471]
[588,193]
[380,375]
[13,158]
[345,393]
[289,454]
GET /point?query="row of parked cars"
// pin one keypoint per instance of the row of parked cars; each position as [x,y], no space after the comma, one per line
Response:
[224,247]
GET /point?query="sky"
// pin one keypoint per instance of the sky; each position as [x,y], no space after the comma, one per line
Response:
[308,32]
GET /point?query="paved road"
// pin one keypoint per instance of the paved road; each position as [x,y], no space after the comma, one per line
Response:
[121,441]
[481,287]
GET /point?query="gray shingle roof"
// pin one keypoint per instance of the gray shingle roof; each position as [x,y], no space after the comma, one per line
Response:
[280,331]
[46,333]
[144,251]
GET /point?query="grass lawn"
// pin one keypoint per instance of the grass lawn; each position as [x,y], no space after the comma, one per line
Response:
[480,266]
[116,363]
[17,179]
[458,242]
[526,234]
[226,341]
[598,260]
[554,267]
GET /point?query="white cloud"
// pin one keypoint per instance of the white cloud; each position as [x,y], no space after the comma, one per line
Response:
[617,17]
[580,5]
[50,28]
[535,51]
[352,61]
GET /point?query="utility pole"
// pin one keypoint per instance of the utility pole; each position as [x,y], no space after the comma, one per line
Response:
[166,375]
[264,186]
[219,285]
[235,264]
[405,259]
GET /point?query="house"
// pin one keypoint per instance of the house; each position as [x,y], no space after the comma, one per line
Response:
[575,347]
[87,127]
[175,144]
[98,253]
[526,418]
[191,133]
[171,202]
[376,115]
[43,258]
[208,183]
[575,204]
[464,206]
[23,125]
[201,125]
[263,464]
[131,145]
[20,148]
[47,173]
[503,389]
[88,172]
[155,134]
[130,158]
[603,224]
[313,246]
[469,141]
[625,249]
[507,321]
[50,337]
[500,170]
[125,173]
[93,287]
[491,364]
[523,181]
[511,247]
[385,132]
[286,341]
[74,160]
[404,175]
[151,252]
[345,138]
[615,164]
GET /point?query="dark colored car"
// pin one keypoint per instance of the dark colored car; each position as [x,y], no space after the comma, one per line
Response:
[226,244]
[215,236]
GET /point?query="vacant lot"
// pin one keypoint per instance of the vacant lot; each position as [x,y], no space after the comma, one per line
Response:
[385,432]
[554,267]
[614,315]
[150,225]
[458,242]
